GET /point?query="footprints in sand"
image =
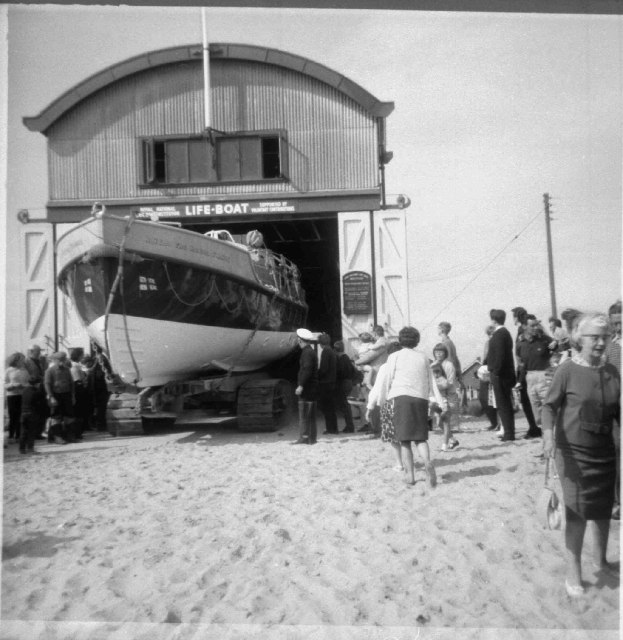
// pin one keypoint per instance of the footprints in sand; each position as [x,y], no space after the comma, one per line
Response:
[35,598]
[325,536]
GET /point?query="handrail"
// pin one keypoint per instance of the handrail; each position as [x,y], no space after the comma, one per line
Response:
[284,274]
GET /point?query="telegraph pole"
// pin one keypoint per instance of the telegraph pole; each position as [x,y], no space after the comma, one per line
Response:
[550,257]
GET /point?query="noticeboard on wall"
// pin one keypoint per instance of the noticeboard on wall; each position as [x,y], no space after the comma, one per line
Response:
[357,293]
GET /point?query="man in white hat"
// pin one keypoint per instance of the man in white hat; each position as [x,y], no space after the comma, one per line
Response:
[307,388]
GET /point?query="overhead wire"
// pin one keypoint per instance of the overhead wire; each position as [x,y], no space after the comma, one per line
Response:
[451,272]
[488,264]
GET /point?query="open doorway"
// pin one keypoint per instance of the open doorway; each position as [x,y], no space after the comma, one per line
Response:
[312,244]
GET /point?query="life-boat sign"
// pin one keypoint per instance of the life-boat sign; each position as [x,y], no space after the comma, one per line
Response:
[214,209]
[357,293]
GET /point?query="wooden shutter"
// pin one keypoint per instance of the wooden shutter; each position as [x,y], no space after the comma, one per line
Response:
[200,160]
[250,154]
[177,162]
[148,169]
[228,159]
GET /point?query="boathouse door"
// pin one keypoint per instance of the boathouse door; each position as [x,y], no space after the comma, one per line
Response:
[390,254]
[37,286]
[373,239]
[40,321]
[373,244]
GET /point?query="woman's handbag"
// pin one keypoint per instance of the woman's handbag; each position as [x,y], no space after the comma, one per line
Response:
[549,507]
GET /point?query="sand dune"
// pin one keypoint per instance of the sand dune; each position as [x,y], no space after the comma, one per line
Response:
[228,535]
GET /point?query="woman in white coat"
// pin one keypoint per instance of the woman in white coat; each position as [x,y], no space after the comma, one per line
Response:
[408,386]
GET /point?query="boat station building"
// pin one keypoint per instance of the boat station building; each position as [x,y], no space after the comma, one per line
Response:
[282,145]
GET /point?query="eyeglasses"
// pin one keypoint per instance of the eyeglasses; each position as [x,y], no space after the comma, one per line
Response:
[595,337]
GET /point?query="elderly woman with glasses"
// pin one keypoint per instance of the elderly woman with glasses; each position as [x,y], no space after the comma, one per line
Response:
[580,410]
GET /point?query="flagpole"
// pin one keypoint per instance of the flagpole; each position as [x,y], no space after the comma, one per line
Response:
[206,72]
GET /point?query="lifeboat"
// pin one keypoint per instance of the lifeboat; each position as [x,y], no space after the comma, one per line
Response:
[167,303]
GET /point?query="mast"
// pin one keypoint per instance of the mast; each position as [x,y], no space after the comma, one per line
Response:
[206,73]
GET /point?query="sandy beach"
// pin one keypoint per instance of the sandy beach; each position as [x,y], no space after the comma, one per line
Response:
[219,534]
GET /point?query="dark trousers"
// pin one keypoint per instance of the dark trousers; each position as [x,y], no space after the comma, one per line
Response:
[375,421]
[56,429]
[307,421]
[40,412]
[344,387]
[28,431]
[526,406]
[14,408]
[100,407]
[83,410]
[616,434]
[62,418]
[326,404]
[489,411]
[503,390]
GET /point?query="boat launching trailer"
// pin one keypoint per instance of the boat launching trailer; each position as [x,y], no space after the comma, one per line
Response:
[255,401]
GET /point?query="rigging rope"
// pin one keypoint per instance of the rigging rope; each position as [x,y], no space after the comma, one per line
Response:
[495,257]
[259,319]
[188,304]
[118,284]
[261,315]
[233,310]
[119,278]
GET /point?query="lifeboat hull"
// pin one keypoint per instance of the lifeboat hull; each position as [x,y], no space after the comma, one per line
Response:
[166,303]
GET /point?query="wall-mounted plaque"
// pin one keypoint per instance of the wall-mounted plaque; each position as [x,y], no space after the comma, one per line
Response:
[357,292]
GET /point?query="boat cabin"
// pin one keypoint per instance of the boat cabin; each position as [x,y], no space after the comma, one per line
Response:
[220,234]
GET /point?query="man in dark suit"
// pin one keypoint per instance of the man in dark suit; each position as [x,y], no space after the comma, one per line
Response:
[520,316]
[345,371]
[36,365]
[502,369]
[307,388]
[327,375]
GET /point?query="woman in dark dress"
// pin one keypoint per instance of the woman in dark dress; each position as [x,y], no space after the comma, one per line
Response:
[581,407]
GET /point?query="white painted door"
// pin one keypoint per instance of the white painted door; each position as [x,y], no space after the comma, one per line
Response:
[71,333]
[377,239]
[354,233]
[38,285]
[390,254]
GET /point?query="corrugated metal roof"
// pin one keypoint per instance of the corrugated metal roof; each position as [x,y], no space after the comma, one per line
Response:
[332,141]
[161,57]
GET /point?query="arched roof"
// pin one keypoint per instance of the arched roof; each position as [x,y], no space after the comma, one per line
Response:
[161,57]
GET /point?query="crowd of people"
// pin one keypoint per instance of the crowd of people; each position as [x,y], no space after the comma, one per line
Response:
[566,379]
[55,397]
[335,383]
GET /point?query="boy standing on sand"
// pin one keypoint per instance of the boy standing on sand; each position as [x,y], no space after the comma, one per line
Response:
[443,331]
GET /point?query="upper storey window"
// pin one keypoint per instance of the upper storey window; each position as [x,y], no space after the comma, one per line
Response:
[240,157]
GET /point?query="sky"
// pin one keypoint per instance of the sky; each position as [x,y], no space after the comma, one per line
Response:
[491,112]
